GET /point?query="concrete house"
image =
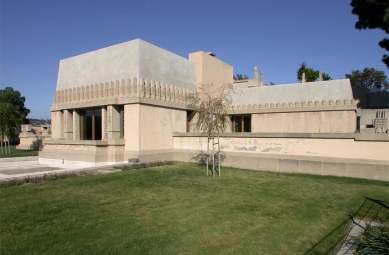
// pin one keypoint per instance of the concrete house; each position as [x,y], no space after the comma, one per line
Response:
[128,101]
[124,102]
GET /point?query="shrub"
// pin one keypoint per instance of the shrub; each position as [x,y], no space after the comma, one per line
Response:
[374,240]
[38,179]
[144,165]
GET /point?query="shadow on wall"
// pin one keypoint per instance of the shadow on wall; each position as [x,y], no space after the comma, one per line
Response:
[377,100]
[371,100]
[202,158]
[37,145]
[371,210]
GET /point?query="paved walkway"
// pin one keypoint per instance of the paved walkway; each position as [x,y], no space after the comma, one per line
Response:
[348,247]
[29,166]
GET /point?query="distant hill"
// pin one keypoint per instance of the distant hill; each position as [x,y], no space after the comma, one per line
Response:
[38,122]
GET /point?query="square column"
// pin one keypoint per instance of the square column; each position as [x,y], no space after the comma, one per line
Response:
[104,127]
[113,121]
[57,124]
[68,124]
[76,125]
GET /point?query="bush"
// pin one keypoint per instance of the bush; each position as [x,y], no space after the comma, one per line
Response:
[144,165]
[374,240]
[38,179]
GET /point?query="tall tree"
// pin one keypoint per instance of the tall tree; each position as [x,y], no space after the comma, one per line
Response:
[373,14]
[238,77]
[311,75]
[368,78]
[13,113]
[9,95]
[10,121]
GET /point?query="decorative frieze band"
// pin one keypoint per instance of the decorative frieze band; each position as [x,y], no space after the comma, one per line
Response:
[122,89]
[295,104]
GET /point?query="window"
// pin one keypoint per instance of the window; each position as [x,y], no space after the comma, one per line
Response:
[189,117]
[91,124]
[241,123]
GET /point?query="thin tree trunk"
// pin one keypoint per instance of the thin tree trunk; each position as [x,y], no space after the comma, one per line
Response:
[218,150]
[207,153]
[5,145]
[9,147]
[213,155]
[1,141]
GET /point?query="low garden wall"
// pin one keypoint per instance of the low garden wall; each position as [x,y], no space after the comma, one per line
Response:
[350,155]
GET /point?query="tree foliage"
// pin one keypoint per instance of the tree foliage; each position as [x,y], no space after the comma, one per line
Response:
[373,14]
[9,95]
[311,75]
[211,106]
[368,78]
[13,113]
[212,109]
[9,121]
[239,77]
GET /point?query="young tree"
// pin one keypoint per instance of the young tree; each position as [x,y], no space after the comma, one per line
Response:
[212,110]
[368,78]
[373,14]
[311,75]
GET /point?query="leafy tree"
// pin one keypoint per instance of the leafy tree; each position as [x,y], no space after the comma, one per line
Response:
[239,77]
[311,75]
[9,121]
[373,14]
[9,95]
[368,78]
[13,113]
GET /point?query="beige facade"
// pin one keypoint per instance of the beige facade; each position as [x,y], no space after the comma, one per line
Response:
[209,69]
[347,155]
[109,119]
[305,122]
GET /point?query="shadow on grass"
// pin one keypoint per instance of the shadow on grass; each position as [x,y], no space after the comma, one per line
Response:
[371,210]
[202,158]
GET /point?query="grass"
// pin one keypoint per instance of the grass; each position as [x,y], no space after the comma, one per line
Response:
[176,209]
[19,153]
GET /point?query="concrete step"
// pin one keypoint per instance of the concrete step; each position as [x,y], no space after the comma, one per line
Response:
[18,159]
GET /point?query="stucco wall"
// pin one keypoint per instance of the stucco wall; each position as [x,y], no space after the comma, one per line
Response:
[298,92]
[116,62]
[163,66]
[305,122]
[135,58]
[157,126]
[368,115]
[131,127]
[76,154]
[338,148]
[211,70]
[57,124]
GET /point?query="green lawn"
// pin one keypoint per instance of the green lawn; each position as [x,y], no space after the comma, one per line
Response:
[19,153]
[178,210]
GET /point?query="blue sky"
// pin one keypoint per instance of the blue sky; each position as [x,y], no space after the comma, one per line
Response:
[275,35]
